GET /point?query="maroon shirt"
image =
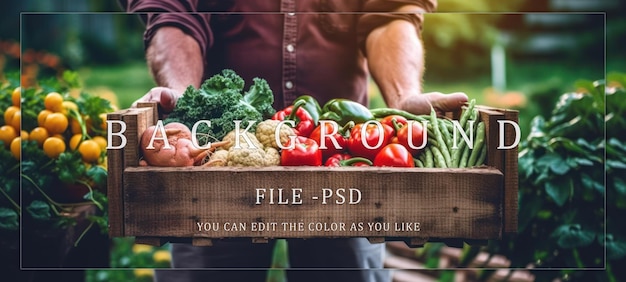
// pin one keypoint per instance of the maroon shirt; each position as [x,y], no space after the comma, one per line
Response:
[299,47]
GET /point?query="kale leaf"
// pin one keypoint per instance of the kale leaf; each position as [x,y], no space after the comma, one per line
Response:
[222,100]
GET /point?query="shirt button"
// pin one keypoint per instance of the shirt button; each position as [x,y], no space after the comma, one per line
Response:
[288,84]
[290,48]
[291,14]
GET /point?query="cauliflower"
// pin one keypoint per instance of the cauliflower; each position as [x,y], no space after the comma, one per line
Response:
[242,141]
[265,133]
[272,157]
[246,157]
[218,158]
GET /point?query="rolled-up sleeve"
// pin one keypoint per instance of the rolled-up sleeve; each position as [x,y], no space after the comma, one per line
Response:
[179,13]
[380,12]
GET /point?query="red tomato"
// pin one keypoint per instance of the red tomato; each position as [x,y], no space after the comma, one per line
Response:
[329,126]
[372,136]
[416,136]
[394,155]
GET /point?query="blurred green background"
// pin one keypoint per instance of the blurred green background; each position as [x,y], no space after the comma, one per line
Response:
[509,54]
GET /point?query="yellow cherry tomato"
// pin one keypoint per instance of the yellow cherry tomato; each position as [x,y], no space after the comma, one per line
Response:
[53,102]
[41,117]
[89,151]
[53,147]
[75,140]
[56,123]
[9,113]
[16,96]
[16,147]
[102,142]
[39,134]
[7,134]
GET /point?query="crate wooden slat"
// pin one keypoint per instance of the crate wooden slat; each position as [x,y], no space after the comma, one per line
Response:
[157,205]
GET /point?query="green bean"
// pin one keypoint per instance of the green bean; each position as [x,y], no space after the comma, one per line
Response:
[438,136]
[446,133]
[383,112]
[482,156]
[478,143]
[467,113]
[418,163]
[432,142]
[464,157]
[428,155]
[439,158]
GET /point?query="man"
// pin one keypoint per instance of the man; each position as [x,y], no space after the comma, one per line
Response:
[323,48]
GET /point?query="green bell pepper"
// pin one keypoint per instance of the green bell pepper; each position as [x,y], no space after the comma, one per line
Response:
[311,106]
[343,111]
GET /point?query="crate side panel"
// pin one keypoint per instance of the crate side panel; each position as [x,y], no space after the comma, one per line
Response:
[115,169]
[511,179]
[457,203]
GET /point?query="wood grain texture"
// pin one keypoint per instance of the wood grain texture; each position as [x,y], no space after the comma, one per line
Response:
[448,203]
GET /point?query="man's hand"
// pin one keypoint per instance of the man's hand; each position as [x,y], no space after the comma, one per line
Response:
[164,97]
[422,103]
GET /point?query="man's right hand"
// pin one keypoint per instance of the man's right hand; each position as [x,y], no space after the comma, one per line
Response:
[164,97]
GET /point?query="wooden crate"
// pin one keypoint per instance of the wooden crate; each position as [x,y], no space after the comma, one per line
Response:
[197,204]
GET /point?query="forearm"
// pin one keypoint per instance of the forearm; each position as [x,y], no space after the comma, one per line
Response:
[396,61]
[175,59]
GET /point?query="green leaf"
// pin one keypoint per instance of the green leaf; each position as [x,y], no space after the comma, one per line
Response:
[558,193]
[587,85]
[573,236]
[589,183]
[615,164]
[39,210]
[99,175]
[9,219]
[583,162]
[615,249]
[537,126]
[72,79]
[555,162]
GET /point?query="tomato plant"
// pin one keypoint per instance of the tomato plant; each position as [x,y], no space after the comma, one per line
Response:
[36,153]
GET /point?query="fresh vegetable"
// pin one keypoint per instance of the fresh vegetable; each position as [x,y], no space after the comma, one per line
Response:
[248,153]
[266,133]
[393,120]
[333,142]
[411,136]
[222,100]
[339,159]
[343,111]
[371,135]
[303,123]
[311,106]
[385,112]
[180,150]
[394,155]
[301,151]
[246,140]
[217,158]
[252,157]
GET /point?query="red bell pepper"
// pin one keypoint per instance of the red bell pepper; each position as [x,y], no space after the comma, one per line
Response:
[304,123]
[372,136]
[416,136]
[338,160]
[303,151]
[394,155]
[330,148]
